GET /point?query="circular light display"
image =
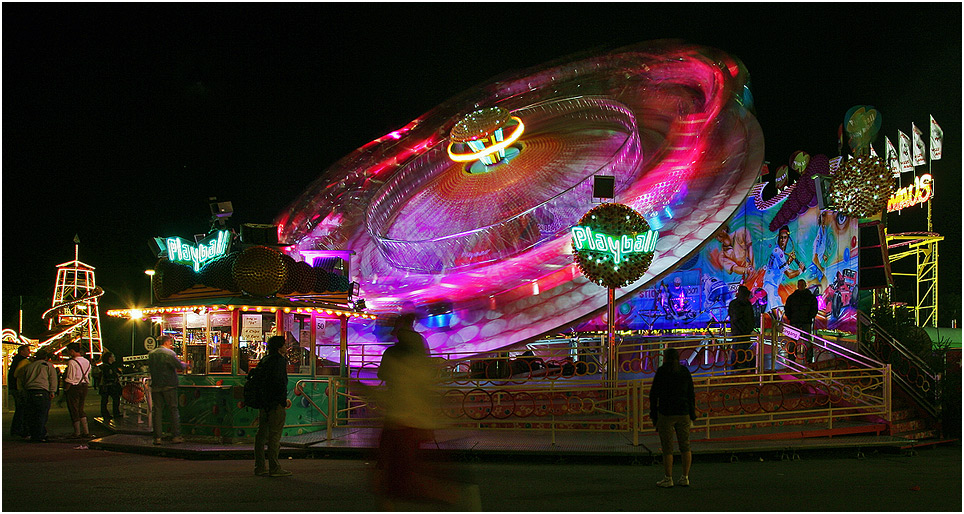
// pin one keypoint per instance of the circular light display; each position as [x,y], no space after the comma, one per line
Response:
[613,245]
[862,187]
[669,120]
[484,133]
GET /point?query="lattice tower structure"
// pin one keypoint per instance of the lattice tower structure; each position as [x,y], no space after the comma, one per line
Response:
[79,321]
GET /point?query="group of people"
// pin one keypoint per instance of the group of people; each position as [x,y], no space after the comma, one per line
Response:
[35,382]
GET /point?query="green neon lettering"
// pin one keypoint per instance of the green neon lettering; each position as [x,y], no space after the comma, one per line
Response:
[583,239]
[216,245]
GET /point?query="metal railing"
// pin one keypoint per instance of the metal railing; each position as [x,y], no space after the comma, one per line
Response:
[911,373]
[136,399]
[571,393]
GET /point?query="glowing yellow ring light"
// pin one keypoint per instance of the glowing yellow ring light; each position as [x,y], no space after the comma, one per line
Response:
[474,156]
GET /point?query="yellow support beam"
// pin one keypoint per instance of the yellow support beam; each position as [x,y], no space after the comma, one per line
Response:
[923,247]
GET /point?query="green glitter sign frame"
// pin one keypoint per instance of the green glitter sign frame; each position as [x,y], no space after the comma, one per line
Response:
[613,245]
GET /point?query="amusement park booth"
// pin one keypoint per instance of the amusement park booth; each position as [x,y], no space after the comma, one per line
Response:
[222,310]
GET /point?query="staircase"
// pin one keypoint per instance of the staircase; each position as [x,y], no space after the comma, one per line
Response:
[915,405]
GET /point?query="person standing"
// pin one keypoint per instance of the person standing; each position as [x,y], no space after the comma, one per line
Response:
[742,323]
[110,388]
[19,425]
[39,382]
[164,367]
[801,309]
[76,382]
[271,415]
[672,407]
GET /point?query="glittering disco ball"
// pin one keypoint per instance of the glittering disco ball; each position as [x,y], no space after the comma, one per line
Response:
[260,271]
[613,245]
[171,277]
[219,273]
[340,283]
[324,281]
[301,278]
[861,187]
[485,136]
[289,264]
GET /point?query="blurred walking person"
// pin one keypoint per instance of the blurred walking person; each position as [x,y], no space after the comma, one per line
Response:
[672,407]
[408,401]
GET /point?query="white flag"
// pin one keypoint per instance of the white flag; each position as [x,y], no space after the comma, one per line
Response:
[903,142]
[873,153]
[890,154]
[919,150]
[937,140]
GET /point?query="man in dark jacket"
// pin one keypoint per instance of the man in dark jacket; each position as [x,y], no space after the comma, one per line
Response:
[19,426]
[271,417]
[801,308]
[672,407]
[742,323]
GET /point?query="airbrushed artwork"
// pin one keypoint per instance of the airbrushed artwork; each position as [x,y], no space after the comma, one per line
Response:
[819,246]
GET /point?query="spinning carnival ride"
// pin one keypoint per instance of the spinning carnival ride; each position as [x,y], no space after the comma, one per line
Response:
[465,213]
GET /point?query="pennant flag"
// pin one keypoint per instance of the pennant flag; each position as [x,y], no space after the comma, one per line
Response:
[890,157]
[904,143]
[937,140]
[873,153]
[919,151]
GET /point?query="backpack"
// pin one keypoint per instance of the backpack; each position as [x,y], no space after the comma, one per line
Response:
[254,388]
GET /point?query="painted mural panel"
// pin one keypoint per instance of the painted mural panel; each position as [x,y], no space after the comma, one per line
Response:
[818,246]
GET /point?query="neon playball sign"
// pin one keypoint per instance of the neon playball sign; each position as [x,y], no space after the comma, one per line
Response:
[208,249]
[613,245]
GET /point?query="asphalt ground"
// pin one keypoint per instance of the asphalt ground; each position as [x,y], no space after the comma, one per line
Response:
[65,475]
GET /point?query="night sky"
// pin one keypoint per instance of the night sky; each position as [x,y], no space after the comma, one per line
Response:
[120,120]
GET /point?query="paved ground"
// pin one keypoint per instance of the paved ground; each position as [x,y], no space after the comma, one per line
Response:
[65,476]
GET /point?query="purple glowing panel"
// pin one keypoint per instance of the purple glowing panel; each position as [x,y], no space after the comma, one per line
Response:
[436,216]
[494,248]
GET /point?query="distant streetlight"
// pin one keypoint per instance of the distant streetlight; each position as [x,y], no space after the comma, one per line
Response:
[150,272]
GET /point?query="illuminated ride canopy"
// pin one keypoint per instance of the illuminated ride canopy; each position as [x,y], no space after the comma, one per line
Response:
[485,244]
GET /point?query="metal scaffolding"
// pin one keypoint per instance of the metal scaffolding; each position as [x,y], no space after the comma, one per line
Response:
[923,246]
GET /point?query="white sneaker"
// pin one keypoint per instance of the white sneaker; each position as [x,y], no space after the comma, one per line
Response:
[683,481]
[665,482]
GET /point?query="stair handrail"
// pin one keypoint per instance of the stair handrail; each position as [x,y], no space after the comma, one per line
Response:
[825,377]
[932,407]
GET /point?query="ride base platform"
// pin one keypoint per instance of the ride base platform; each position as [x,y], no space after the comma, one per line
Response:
[468,444]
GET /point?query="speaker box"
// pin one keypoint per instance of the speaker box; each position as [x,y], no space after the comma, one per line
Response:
[872,257]
[157,246]
[603,186]
[259,234]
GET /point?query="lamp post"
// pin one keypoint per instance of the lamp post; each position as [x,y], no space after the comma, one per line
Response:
[136,314]
[150,273]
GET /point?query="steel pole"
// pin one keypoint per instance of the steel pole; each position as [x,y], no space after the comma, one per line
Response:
[611,365]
